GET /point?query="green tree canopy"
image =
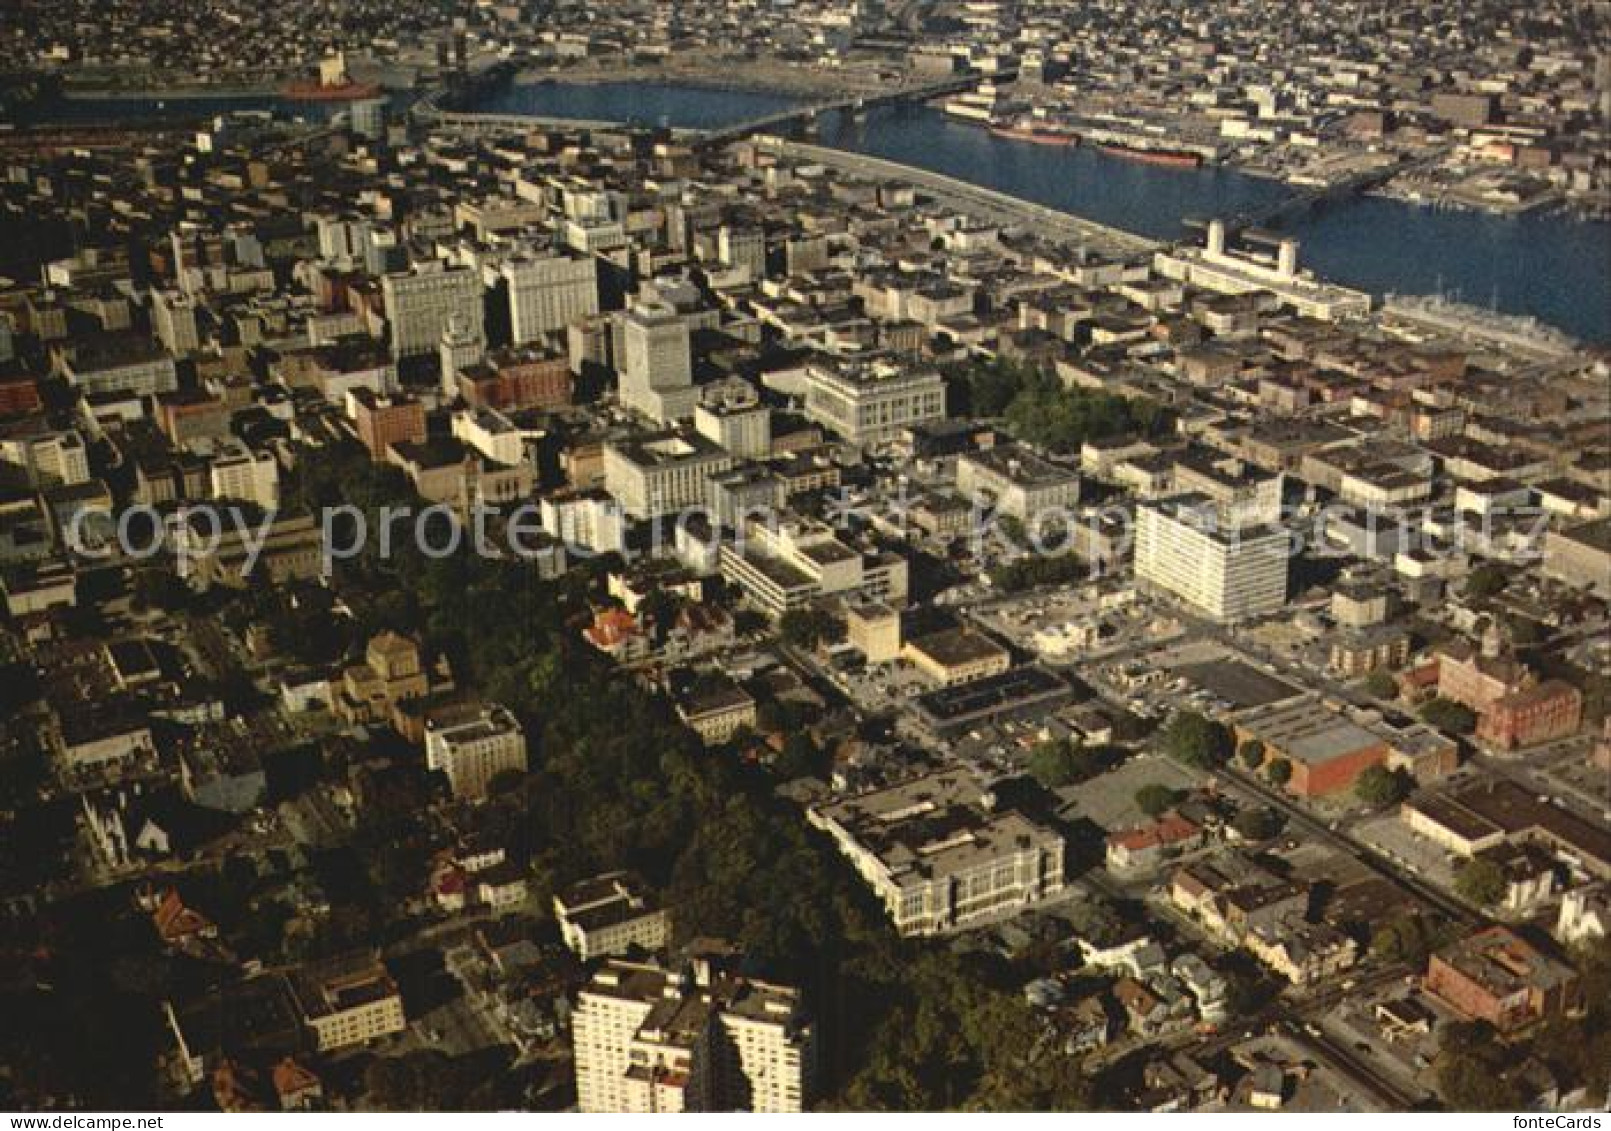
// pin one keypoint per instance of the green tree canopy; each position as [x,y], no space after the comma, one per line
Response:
[1380,787]
[1256,822]
[1155,799]
[1447,715]
[1196,740]
[1061,761]
[1481,881]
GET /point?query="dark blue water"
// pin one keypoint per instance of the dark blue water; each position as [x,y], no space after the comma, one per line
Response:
[1548,265]
[686,107]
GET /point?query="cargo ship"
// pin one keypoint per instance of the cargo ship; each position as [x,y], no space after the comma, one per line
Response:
[1035,134]
[339,92]
[1173,158]
[333,85]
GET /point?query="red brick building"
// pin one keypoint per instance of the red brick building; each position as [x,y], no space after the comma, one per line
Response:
[514,379]
[1326,750]
[18,395]
[1551,710]
[383,421]
[1495,976]
[1467,676]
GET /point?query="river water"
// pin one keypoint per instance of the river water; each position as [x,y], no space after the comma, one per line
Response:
[1548,265]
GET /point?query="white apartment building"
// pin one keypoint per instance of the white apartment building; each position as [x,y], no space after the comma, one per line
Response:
[420,303]
[786,566]
[238,472]
[652,1039]
[474,747]
[661,473]
[590,519]
[1185,547]
[548,293]
[347,1002]
[939,856]
[48,458]
[610,914]
[873,402]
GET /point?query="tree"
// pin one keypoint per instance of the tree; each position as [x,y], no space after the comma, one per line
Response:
[1447,715]
[1279,771]
[748,622]
[1060,761]
[1196,740]
[1485,581]
[1257,823]
[1471,1069]
[162,590]
[1154,799]
[1381,684]
[1251,753]
[1480,881]
[1406,938]
[1380,787]
[806,628]
[799,758]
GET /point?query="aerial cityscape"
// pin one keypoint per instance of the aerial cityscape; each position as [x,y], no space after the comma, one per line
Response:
[805,556]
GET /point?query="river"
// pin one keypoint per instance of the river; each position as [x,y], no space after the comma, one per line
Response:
[1548,264]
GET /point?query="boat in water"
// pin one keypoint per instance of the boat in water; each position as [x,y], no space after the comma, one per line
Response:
[1171,158]
[334,84]
[1036,133]
[320,92]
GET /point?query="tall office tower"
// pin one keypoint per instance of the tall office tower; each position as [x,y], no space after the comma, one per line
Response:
[652,1038]
[369,118]
[731,414]
[1184,547]
[419,304]
[547,294]
[338,237]
[173,319]
[461,347]
[657,370]
[743,247]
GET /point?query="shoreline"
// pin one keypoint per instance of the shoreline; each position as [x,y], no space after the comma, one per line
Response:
[175,94]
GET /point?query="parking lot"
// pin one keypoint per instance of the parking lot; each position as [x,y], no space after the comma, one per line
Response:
[1419,856]
[1109,799]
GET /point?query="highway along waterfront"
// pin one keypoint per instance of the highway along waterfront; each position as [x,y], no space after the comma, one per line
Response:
[1549,266]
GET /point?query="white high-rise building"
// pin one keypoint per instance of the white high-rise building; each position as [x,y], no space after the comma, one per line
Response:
[473,747]
[654,1039]
[1185,547]
[743,247]
[547,294]
[173,318]
[731,414]
[657,367]
[461,347]
[238,472]
[420,304]
[48,458]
